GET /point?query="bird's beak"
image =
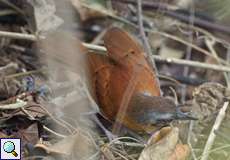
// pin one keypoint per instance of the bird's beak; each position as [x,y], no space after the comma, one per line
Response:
[185,115]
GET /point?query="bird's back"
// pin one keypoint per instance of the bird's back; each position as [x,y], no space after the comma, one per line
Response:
[124,66]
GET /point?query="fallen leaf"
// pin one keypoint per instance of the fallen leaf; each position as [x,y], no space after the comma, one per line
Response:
[161,145]
[29,135]
[181,152]
[78,145]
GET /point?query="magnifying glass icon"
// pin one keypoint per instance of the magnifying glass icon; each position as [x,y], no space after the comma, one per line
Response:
[9,147]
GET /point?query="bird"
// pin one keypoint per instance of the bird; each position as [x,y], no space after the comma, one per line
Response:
[124,83]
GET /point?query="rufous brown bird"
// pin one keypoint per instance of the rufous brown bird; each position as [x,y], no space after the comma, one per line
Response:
[125,84]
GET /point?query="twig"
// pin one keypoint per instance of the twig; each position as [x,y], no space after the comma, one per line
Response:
[178,39]
[145,41]
[14,35]
[21,74]
[215,127]
[95,48]
[168,78]
[210,44]
[65,125]
[10,65]
[35,38]
[204,32]
[99,37]
[19,104]
[17,9]
[191,124]
[123,138]
[32,37]
[143,35]
[120,154]
[192,63]
[130,144]
[174,95]
[188,52]
[102,49]
[7,12]
[45,128]
[53,132]
[182,15]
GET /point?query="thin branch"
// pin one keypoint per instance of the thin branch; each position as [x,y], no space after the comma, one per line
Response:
[183,15]
[212,135]
[102,50]
[204,32]
[178,39]
[143,35]
[13,6]
[188,52]
[94,47]
[53,132]
[21,74]
[19,104]
[14,35]
[45,128]
[32,37]
[210,44]
[145,40]
[191,124]
[65,125]
[192,63]
[7,12]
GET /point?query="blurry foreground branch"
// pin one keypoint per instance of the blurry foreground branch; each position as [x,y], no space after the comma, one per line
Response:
[102,49]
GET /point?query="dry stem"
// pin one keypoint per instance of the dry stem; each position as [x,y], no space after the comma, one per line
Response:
[212,135]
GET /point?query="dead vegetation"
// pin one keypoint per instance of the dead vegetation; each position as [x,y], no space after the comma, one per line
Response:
[46,94]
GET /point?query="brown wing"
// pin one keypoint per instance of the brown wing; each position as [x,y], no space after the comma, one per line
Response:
[130,65]
[101,68]
[120,45]
[129,56]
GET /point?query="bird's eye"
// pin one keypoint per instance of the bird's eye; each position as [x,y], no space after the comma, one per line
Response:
[132,52]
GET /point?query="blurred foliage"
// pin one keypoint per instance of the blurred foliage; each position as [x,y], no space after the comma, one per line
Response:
[218,8]
[96,2]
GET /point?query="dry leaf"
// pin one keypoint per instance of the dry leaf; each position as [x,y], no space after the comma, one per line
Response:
[181,152]
[29,135]
[161,145]
[79,145]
